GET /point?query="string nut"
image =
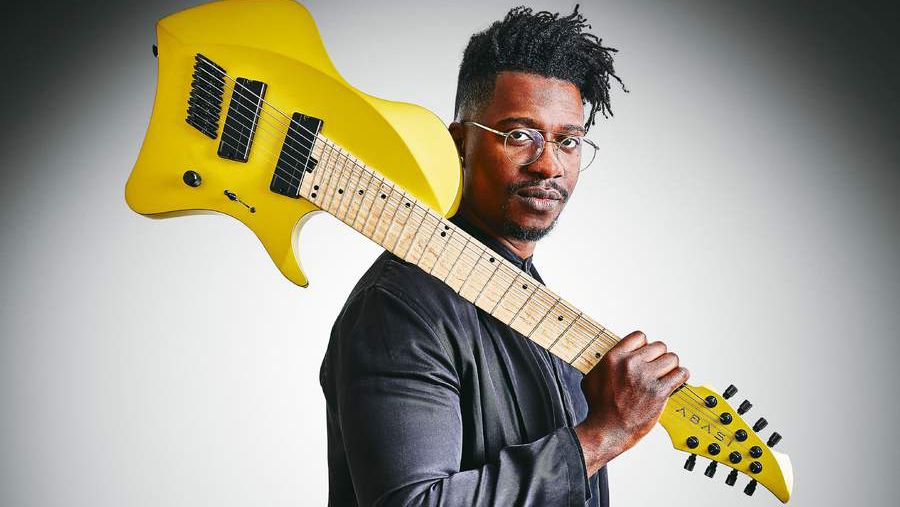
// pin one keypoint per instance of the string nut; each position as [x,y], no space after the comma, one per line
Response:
[729,392]
[751,487]
[691,461]
[732,477]
[774,439]
[710,469]
[744,407]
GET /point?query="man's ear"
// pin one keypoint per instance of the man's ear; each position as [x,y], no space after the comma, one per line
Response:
[457,132]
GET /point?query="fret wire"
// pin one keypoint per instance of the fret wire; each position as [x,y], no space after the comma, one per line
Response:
[403,225]
[488,282]
[362,201]
[515,281]
[583,349]
[393,215]
[335,188]
[458,257]
[544,317]
[400,235]
[437,259]
[326,186]
[428,241]
[466,280]
[412,241]
[350,192]
[566,330]
[387,202]
[513,319]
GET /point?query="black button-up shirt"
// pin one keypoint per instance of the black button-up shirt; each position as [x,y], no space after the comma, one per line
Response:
[432,401]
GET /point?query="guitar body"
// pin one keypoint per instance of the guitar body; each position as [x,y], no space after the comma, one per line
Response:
[276,42]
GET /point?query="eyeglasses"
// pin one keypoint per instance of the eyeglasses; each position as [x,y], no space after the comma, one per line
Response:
[525,145]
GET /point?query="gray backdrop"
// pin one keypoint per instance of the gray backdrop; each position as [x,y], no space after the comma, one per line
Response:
[744,209]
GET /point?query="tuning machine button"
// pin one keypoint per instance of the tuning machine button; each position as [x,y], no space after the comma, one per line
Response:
[725,418]
[735,457]
[713,448]
[756,467]
[692,442]
[774,439]
[710,469]
[751,487]
[732,477]
[729,392]
[744,407]
[691,461]
[711,401]
[755,451]
[760,424]
[740,435]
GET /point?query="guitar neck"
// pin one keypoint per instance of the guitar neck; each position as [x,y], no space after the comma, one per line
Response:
[383,212]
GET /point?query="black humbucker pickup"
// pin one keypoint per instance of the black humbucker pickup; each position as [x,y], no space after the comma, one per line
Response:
[296,155]
[242,118]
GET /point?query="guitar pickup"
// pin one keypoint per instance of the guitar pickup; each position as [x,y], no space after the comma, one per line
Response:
[243,116]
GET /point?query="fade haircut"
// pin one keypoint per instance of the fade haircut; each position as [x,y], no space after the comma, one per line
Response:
[540,43]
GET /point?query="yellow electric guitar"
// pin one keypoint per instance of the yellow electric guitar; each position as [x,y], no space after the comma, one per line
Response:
[252,120]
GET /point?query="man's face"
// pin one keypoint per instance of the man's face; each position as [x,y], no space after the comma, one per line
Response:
[519,202]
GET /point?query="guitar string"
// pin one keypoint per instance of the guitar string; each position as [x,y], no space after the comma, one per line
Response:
[607,338]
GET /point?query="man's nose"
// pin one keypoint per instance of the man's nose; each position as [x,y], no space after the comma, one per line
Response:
[547,165]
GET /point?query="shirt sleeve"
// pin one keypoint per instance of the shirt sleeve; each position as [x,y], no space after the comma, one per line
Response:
[397,401]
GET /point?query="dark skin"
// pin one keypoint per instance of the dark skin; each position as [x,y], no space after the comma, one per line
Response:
[627,390]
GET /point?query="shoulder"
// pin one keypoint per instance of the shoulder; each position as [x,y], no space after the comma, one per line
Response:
[431,299]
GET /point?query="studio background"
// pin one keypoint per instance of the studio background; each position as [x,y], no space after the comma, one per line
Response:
[744,209]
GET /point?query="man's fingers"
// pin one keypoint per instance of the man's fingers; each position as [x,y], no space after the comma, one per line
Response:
[631,342]
[672,380]
[664,364]
[651,351]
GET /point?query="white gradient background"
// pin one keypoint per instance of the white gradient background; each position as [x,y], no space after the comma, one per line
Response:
[744,210]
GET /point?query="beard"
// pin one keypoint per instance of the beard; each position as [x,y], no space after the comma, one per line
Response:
[520,232]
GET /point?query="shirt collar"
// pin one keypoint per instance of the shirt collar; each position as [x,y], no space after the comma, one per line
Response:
[488,241]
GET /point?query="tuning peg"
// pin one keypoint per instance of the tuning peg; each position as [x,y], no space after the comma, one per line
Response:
[760,424]
[691,461]
[732,477]
[751,487]
[774,439]
[710,469]
[729,392]
[744,407]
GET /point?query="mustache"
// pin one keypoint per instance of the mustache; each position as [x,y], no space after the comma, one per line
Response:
[544,184]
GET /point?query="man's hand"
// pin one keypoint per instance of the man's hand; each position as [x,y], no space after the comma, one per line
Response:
[626,393]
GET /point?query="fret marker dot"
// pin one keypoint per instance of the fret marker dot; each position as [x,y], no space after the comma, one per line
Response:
[315,187]
[340,190]
[313,195]
[360,192]
[407,205]
[560,318]
[446,227]
[524,286]
[492,259]
[383,196]
[443,234]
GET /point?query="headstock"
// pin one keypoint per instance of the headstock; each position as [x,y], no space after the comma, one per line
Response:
[701,422]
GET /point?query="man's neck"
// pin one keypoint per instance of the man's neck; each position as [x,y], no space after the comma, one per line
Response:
[522,249]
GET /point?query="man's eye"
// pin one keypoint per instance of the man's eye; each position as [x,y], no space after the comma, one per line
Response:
[520,137]
[570,143]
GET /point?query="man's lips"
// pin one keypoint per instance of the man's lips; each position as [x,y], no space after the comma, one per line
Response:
[540,193]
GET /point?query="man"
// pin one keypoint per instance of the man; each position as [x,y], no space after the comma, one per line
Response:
[431,400]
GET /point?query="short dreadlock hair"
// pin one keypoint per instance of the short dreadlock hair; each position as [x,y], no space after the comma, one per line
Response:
[540,43]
